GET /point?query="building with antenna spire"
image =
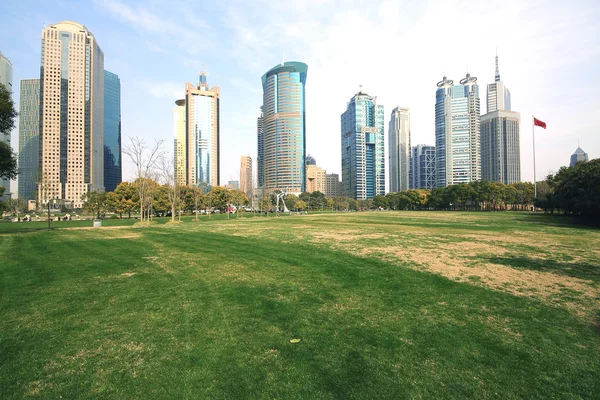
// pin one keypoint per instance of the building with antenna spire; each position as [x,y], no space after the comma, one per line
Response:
[500,136]
[578,156]
[201,111]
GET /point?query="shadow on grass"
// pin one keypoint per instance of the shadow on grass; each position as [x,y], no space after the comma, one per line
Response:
[576,270]
[560,220]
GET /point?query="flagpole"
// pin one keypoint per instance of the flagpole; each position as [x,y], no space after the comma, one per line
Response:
[534,176]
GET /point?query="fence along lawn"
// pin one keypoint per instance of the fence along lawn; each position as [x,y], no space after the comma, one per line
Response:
[386,304]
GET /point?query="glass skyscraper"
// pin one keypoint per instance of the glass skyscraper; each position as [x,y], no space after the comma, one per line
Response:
[260,171]
[202,133]
[29,139]
[457,132]
[284,128]
[363,159]
[399,149]
[422,167]
[112,131]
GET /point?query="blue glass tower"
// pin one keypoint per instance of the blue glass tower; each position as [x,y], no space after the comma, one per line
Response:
[363,159]
[284,127]
[112,131]
[29,139]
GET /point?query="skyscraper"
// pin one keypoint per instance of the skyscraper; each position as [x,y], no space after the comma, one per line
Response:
[29,138]
[578,156]
[422,167]
[363,159]
[310,160]
[6,76]
[246,175]
[399,149]
[500,136]
[112,131]
[180,142]
[333,186]
[202,133]
[315,179]
[284,127]
[72,113]
[260,171]
[457,132]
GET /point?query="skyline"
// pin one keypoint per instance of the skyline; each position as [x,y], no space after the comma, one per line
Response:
[548,62]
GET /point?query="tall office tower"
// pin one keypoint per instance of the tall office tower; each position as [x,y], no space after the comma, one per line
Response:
[6,75]
[246,175]
[112,131]
[180,146]
[363,159]
[260,171]
[399,149]
[498,96]
[310,160]
[422,167]
[284,127]
[315,179]
[578,156]
[29,138]
[500,133]
[333,186]
[72,114]
[202,133]
[457,132]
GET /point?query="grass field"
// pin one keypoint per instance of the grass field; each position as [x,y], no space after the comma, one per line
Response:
[386,304]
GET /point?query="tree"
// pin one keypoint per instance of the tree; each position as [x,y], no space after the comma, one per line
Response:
[144,158]
[238,198]
[290,201]
[95,202]
[8,161]
[218,197]
[123,199]
[380,202]
[16,206]
[8,114]
[167,173]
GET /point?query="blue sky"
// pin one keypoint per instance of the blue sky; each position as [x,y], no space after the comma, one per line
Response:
[398,50]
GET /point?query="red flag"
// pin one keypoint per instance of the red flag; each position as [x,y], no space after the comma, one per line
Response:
[537,122]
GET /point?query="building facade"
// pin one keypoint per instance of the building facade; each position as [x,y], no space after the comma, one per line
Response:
[246,175]
[6,78]
[457,132]
[260,171]
[333,186]
[422,167]
[112,131]
[202,145]
[500,147]
[315,179]
[179,150]
[578,156]
[29,139]
[500,136]
[310,160]
[284,128]
[399,149]
[363,159]
[72,114]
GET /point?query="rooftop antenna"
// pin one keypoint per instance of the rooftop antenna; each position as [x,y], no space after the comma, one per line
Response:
[359,88]
[282,58]
[497,69]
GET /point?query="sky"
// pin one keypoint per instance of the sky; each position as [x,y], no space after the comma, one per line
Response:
[549,56]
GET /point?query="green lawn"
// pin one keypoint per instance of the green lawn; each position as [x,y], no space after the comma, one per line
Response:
[387,304]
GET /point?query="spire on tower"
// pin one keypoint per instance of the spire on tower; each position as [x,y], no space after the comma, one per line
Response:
[497,69]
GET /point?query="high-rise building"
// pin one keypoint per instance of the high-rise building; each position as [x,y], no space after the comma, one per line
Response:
[72,113]
[363,159]
[29,139]
[180,142]
[500,136]
[246,175]
[112,131]
[233,185]
[202,133]
[310,160]
[399,149]
[6,76]
[422,167]
[578,156]
[284,127]
[498,96]
[457,132]
[333,186]
[260,171]
[315,179]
